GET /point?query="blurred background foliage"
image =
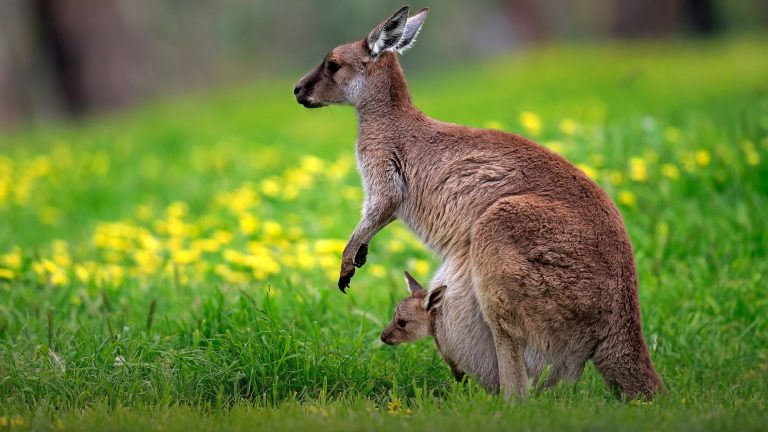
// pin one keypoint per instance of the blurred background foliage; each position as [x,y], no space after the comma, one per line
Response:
[70,58]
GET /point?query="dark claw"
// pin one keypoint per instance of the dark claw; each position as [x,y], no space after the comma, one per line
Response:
[360,256]
[344,283]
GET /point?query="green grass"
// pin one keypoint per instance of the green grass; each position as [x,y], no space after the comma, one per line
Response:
[173,267]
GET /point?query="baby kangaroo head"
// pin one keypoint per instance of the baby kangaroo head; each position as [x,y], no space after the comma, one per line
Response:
[352,70]
[412,319]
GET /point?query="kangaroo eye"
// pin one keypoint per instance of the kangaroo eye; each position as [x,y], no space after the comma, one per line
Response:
[401,323]
[333,67]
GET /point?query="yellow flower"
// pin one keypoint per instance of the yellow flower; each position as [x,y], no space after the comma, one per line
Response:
[76,300]
[555,146]
[689,161]
[351,193]
[290,193]
[702,157]
[185,256]
[588,170]
[6,274]
[61,253]
[531,122]
[616,177]
[568,126]
[176,210]
[627,198]
[493,124]
[206,245]
[223,237]
[753,158]
[420,267]
[272,229]
[340,169]
[143,212]
[59,278]
[82,273]
[670,171]
[638,169]
[12,259]
[311,164]
[393,405]
[330,246]
[395,246]
[305,260]
[378,271]
[270,187]
[248,224]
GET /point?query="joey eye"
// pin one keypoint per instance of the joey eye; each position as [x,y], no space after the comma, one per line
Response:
[401,323]
[333,67]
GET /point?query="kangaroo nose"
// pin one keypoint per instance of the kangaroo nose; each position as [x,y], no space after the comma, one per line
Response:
[296,89]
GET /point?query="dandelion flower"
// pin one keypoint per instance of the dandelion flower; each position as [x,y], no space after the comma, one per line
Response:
[395,246]
[588,170]
[638,169]
[555,146]
[493,124]
[421,267]
[378,271]
[272,229]
[6,274]
[393,405]
[568,126]
[248,224]
[670,171]
[531,122]
[627,198]
[270,187]
[702,157]
[616,177]
[12,259]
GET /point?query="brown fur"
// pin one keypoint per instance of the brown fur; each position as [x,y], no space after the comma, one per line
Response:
[538,263]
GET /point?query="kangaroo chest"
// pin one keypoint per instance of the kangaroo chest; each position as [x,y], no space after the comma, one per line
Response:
[464,339]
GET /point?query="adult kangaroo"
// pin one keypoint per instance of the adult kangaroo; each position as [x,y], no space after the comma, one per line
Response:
[537,262]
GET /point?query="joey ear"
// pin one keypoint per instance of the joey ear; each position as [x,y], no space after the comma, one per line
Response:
[435,298]
[414,287]
[412,27]
[387,35]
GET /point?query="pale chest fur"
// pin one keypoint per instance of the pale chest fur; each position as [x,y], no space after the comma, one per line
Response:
[461,332]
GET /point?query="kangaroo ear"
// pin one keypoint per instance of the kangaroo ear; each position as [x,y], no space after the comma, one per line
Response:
[435,298]
[414,287]
[412,28]
[387,35]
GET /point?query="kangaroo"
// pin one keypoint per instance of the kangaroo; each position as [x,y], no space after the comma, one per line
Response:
[422,314]
[537,246]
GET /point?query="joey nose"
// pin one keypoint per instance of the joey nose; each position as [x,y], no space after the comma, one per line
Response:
[297,89]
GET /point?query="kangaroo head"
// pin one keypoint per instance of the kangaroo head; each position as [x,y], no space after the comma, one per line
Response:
[413,316]
[354,71]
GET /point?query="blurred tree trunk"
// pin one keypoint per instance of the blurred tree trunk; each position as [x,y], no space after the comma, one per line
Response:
[89,50]
[528,19]
[659,17]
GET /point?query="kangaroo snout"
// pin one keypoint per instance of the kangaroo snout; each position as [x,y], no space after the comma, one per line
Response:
[387,338]
[304,89]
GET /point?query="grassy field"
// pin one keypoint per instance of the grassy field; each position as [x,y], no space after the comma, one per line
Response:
[175,267]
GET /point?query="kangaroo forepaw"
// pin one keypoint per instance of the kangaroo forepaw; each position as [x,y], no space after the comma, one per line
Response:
[361,255]
[345,277]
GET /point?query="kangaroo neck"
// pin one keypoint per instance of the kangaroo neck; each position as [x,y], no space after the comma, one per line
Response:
[385,101]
